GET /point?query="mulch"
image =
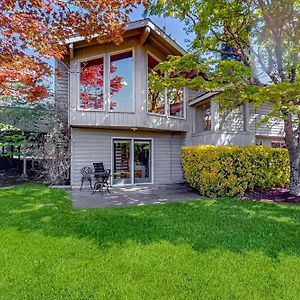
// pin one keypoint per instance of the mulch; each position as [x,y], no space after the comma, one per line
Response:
[275,195]
[11,180]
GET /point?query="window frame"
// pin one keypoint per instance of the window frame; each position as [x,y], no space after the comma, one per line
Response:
[147,84]
[108,60]
[81,60]
[132,139]
[197,129]
[184,93]
[208,104]
[165,93]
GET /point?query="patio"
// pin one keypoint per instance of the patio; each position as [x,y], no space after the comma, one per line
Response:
[133,195]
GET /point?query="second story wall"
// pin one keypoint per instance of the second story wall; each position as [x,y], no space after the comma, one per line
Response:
[239,126]
[108,115]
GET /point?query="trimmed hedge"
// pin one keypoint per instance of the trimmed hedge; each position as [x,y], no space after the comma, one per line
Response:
[230,171]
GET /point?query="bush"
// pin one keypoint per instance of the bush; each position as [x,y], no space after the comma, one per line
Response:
[230,171]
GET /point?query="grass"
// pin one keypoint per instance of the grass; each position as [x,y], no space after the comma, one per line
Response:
[210,249]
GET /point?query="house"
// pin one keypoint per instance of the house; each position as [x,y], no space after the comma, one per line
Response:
[115,119]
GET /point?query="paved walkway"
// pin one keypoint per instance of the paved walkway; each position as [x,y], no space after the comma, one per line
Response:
[133,195]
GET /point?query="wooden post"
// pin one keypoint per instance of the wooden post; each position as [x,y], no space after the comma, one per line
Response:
[215,126]
[246,108]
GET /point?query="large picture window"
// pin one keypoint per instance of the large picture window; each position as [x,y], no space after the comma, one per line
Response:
[92,84]
[156,100]
[121,82]
[170,102]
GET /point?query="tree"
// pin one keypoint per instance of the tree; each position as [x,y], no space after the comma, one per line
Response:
[33,31]
[263,37]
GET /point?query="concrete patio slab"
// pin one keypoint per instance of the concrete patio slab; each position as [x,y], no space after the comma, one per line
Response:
[133,195]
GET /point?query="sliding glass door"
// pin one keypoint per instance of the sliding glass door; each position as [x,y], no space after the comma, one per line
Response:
[132,161]
[122,162]
[142,161]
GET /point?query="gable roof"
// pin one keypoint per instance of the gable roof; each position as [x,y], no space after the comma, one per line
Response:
[157,31]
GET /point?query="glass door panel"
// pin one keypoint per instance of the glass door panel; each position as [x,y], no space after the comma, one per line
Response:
[142,161]
[122,162]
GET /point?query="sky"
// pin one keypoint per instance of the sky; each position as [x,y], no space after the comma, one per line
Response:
[171,26]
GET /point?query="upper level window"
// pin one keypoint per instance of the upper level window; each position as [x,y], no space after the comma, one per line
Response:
[202,117]
[176,103]
[206,119]
[169,102]
[121,82]
[92,84]
[156,100]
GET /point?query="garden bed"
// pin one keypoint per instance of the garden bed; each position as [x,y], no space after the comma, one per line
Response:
[274,194]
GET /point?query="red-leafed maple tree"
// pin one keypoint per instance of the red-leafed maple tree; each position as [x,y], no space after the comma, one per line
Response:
[32,31]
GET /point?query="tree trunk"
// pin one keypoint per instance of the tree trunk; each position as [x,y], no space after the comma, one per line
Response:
[295,173]
[292,143]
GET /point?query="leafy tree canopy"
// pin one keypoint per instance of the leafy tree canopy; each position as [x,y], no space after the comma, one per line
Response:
[249,50]
[32,31]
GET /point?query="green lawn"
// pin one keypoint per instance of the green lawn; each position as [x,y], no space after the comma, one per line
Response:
[211,249]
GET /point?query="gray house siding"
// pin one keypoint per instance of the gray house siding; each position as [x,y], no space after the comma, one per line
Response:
[232,120]
[61,91]
[274,127]
[95,145]
[223,139]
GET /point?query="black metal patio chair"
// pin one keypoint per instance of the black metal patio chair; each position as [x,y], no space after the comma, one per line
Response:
[86,173]
[102,182]
[98,170]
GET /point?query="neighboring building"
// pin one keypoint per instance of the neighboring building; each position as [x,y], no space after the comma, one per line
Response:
[115,119]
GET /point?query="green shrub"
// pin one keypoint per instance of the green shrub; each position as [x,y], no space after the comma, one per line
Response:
[230,171]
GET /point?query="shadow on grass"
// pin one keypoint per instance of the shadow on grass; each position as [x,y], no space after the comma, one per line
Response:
[239,226]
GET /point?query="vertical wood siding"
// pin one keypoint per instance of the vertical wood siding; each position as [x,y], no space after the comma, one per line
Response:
[61,88]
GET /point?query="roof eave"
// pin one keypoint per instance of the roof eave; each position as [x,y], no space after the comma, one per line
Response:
[136,25]
[203,97]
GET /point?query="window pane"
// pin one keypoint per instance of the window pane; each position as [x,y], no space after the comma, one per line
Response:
[91,84]
[142,161]
[122,162]
[121,82]
[207,117]
[175,98]
[156,100]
